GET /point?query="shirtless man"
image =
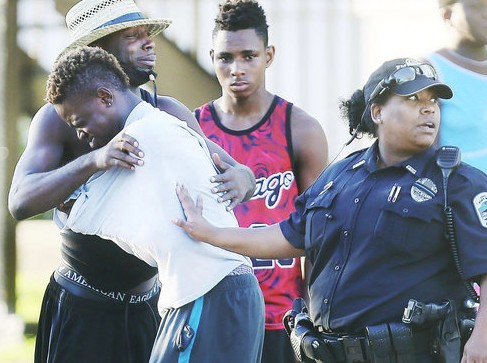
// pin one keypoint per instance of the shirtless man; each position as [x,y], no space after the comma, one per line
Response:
[56,161]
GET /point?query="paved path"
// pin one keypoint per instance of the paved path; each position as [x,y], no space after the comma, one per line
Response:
[37,247]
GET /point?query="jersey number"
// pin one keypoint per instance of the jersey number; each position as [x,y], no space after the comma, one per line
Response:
[257,263]
[269,264]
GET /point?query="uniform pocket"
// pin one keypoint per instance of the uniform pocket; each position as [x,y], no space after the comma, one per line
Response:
[411,228]
[318,214]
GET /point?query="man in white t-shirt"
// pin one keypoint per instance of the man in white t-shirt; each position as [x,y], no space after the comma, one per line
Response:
[208,296]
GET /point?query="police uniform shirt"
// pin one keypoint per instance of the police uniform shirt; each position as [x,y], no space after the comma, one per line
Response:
[375,237]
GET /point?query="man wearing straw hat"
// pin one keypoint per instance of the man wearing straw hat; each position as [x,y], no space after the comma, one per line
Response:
[100,303]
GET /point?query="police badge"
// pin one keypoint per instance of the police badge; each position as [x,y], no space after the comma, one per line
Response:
[480,204]
[423,189]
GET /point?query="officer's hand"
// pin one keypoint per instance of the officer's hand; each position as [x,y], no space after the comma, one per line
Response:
[195,225]
[116,153]
[475,350]
[236,182]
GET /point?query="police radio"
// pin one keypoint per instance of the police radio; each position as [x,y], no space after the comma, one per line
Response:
[448,159]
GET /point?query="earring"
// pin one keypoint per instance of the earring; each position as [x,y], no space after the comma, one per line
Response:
[109,104]
[379,120]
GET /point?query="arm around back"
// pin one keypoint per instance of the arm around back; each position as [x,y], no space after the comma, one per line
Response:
[236,180]
[32,190]
[46,173]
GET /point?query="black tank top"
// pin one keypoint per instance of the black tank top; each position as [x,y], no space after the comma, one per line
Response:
[102,263]
[147,97]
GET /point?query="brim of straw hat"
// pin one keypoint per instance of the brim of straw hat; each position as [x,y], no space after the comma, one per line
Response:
[155,26]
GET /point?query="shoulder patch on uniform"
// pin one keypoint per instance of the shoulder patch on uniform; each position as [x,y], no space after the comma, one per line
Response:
[480,204]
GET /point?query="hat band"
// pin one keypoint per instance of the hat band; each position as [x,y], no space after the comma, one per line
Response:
[123,19]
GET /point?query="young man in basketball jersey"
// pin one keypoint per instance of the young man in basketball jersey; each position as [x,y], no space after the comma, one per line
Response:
[285,148]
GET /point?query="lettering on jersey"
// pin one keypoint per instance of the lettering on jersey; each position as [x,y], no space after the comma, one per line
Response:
[258,263]
[271,188]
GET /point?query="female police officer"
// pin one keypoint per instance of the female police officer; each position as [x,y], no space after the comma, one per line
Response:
[372,224]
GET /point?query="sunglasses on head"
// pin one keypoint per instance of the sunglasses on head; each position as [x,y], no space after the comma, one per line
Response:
[403,75]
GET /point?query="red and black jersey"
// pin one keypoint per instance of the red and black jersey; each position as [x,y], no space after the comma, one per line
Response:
[266,148]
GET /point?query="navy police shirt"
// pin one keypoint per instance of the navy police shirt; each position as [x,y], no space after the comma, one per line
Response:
[375,237]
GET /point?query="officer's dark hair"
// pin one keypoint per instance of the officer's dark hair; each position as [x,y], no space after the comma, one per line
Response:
[81,71]
[354,112]
[242,14]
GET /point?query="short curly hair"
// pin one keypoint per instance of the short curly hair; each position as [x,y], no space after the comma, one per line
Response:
[242,14]
[81,71]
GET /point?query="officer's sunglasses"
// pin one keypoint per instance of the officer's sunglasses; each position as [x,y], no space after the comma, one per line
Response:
[403,75]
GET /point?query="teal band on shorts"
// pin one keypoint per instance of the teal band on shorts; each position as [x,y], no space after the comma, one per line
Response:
[194,322]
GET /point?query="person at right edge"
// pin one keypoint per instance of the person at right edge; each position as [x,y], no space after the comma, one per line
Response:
[373,227]
[284,147]
[463,65]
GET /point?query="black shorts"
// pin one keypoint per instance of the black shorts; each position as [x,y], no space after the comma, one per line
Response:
[78,330]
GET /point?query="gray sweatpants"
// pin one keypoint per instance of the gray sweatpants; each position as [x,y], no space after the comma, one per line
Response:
[225,325]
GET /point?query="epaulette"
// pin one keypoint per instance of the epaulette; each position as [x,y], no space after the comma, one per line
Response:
[355,152]
[341,160]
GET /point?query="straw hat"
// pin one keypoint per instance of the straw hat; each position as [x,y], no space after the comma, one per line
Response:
[90,20]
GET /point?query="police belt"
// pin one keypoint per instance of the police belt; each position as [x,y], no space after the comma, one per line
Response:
[76,284]
[384,343]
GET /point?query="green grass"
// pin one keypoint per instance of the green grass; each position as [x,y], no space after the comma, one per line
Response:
[23,353]
[30,290]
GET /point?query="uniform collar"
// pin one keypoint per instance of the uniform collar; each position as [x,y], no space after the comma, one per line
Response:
[414,165]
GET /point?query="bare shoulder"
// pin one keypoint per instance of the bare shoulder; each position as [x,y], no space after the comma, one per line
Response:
[173,106]
[304,126]
[177,109]
[310,147]
[450,55]
[50,143]
[47,126]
